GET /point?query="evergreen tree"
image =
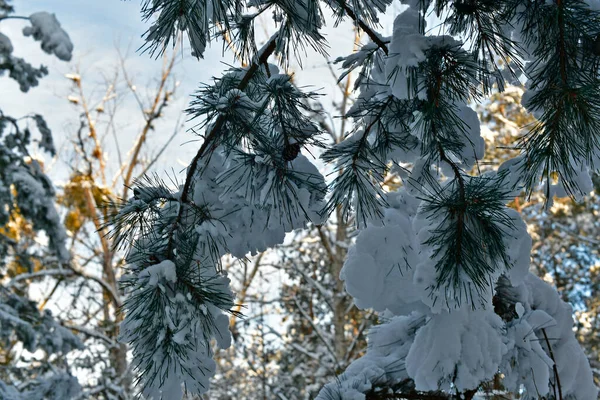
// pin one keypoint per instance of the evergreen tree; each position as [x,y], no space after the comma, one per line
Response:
[27,209]
[443,259]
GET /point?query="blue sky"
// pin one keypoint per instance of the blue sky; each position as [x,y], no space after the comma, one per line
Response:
[96,27]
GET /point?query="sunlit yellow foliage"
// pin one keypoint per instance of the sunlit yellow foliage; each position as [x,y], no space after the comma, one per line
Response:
[75,200]
[17,229]
[503,120]
[507,120]
[74,220]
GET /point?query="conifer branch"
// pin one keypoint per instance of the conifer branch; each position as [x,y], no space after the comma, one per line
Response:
[211,138]
[561,42]
[216,128]
[559,109]
[460,217]
[372,34]
[363,140]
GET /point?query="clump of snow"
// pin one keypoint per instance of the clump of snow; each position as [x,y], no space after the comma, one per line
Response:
[473,145]
[389,253]
[46,29]
[462,348]
[407,49]
[5,46]
[225,185]
[526,363]
[467,353]
[382,365]
[193,373]
[157,272]
[55,387]
[518,245]
[546,311]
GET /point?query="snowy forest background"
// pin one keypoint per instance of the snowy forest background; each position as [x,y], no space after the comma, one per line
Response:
[117,116]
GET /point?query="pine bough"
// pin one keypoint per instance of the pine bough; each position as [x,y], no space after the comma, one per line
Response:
[443,259]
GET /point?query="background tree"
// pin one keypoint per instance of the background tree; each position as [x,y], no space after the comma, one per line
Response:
[33,344]
[81,286]
[96,183]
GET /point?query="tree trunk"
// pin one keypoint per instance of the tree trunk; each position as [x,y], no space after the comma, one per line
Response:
[341,299]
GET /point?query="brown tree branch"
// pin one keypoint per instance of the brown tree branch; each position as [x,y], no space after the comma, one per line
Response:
[160,101]
[372,34]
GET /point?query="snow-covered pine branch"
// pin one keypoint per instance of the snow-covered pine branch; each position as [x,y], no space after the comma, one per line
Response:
[247,167]
[443,259]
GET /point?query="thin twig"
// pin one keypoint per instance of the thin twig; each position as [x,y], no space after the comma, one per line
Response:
[98,153]
[245,286]
[160,101]
[318,332]
[372,34]
[554,367]
[163,148]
